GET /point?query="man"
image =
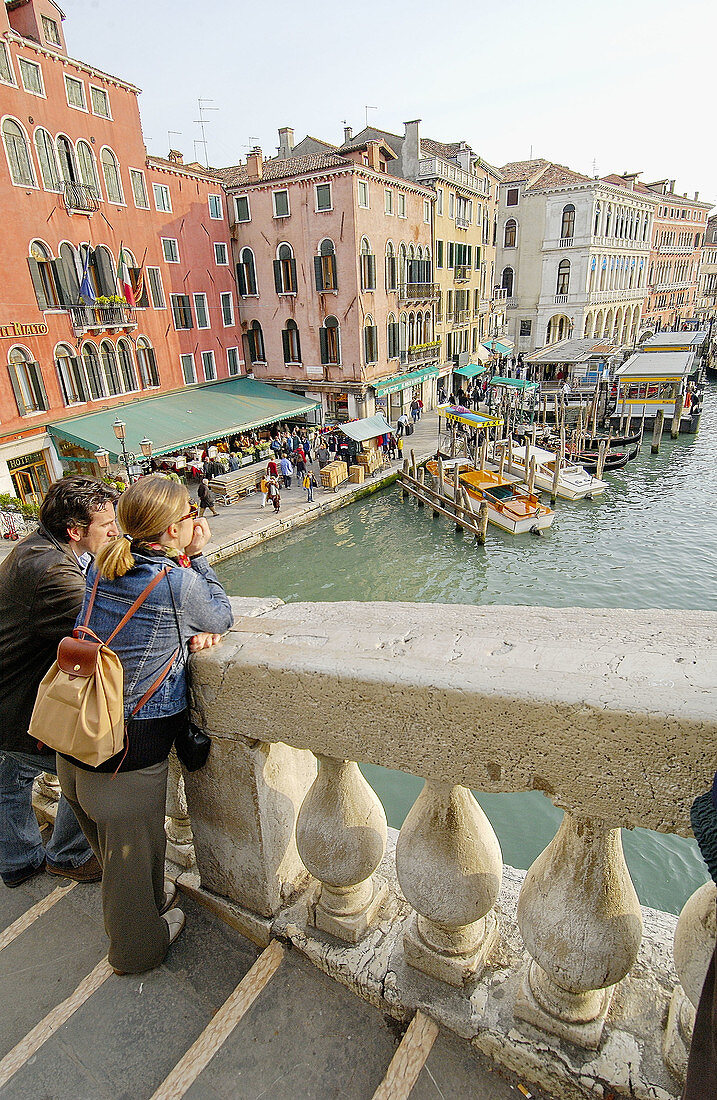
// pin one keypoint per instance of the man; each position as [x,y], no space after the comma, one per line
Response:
[287,471]
[42,586]
[206,498]
[402,424]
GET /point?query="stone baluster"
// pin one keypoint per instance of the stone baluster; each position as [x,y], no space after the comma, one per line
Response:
[694,942]
[449,866]
[45,796]
[341,837]
[180,842]
[581,923]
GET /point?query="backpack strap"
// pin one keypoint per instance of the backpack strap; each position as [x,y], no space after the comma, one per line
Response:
[137,603]
[157,683]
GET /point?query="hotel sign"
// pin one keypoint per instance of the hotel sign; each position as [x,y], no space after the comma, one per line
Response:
[15,329]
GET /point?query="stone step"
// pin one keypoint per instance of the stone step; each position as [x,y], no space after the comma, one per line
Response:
[300,1036]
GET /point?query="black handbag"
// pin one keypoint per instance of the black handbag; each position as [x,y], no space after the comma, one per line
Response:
[192,744]
[703,817]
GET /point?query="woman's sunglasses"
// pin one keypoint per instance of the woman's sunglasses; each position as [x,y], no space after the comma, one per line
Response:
[191,514]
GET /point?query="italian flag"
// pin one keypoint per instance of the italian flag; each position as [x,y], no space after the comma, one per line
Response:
[123,278]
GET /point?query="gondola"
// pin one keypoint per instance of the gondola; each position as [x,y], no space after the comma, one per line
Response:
[614,460]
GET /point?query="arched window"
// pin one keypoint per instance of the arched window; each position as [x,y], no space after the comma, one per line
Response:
[370,340]
[392,337]
[596,224]
[568,226]
[402,272]
[18,154]
[66,156]
[510,233]
[103,272]
[507,281]
[291,342]
[563,277]
[71,375]
[88,171]
[367,261]
[128,375]
[94,374]
[411,330]
[390,266]
[111,173]
[419,328]
[608,219]
[47,159]
[325,267]
[246,274]
[255,352]
[47,279]
[427,326]
[329,342]
[27,383]
[285,270]
[403,337]
[147,361]
[109,365]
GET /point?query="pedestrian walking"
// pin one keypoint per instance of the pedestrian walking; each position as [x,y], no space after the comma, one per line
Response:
[273,493]
[392,450]
[401,424]
[310,483]
[415,412]
[42,585]
[399,448]
[120,804]
[322,454]
[206,498]
[287,471]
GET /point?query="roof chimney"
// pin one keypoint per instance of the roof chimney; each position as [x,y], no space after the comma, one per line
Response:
[348,134]
[286,142]
[255,165]
[411,149]
[672,186]
[374,158]
[175,156]
[697,195]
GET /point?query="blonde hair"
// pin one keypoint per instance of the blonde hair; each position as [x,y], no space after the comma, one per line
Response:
[144,511]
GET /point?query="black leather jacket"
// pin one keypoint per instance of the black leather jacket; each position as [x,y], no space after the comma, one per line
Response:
[41,593]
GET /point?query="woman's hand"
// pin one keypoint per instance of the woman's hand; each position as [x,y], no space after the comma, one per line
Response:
[204,641]
[200,538]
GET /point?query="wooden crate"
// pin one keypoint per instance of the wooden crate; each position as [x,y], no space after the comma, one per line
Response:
[230,487]
[357,475]
[333,474]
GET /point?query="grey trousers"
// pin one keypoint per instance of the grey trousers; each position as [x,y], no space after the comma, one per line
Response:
[122,816]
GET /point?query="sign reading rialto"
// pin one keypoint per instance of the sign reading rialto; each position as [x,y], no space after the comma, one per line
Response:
[16,329]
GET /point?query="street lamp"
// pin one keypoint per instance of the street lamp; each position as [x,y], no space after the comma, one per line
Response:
[120,429]
[102,459]
[146,445]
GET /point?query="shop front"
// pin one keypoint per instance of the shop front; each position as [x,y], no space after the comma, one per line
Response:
[394,395]
[30,477]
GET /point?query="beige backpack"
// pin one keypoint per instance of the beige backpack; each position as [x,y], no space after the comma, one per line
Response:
[79,710]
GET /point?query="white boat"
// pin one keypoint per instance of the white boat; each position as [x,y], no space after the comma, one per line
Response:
[574,483]
[510,508]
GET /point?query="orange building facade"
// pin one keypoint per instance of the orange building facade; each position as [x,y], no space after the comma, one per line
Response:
[77,187]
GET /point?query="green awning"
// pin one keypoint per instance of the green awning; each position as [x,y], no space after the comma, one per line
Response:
[178,420]
[471,370]
[499,346]
[403,381]
[514,383]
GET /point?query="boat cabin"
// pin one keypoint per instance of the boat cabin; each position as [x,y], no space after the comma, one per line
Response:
[652,380]
[580,363]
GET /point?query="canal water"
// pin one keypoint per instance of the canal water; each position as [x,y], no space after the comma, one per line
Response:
[649,541]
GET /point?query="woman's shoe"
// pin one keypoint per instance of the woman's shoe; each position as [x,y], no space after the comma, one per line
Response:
[175,922]
[170,896]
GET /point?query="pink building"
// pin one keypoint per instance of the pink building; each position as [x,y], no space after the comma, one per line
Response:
[335,274]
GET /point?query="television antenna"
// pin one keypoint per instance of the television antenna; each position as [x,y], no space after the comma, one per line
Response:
[367,109]
[204,106]
[170,134]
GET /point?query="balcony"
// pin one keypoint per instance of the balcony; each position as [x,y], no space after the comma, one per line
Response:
[560,299]
[566,242]
[462,223]
[597,297]
[79,199]
[100,318]
[417,292]
[500,293]
[676,249]
[511,303]
[436,168]
[420,353]
[461,317]
[461,273]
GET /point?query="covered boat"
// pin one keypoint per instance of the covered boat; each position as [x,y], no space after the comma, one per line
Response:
[574,482]
[510,508]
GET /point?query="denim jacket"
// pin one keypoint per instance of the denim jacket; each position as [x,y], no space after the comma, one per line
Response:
[146,643]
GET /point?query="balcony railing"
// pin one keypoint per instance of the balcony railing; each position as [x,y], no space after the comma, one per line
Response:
[461,273]
[676,249]
[500,293]
[101,317]
[414,292]
[566,242]
[435,167]
[419,353]
[79,198]
[543,980]
[462,223]
[596,297]
[560,299]
[511,303]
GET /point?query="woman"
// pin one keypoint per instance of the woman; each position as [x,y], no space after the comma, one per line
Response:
[120,804]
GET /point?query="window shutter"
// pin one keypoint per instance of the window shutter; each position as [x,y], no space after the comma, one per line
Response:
[139,282]
[318,273]
[334,274]
[38,385]
[176,312]
[186,311]
[324,345]
[78,377]
[152,363]
[19,399]
[242,280]
[37,284]
[105,274]
[451,251]
[62,282]
[371,272]
[287,346]
[247,347]
[67,397]
[292,268]
[278,283]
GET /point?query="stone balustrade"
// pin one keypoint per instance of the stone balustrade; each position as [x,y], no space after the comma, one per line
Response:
[558,974]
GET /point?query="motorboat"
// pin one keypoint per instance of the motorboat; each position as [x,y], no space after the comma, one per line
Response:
[574,481]
[509,507]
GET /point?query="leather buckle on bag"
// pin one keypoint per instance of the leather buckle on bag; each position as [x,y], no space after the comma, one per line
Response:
[77,657]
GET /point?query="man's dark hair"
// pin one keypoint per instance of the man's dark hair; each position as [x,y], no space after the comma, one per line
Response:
[72,502]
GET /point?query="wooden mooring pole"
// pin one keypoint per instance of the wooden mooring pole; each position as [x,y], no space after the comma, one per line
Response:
[602,451]
[404,491]
[556,477]
[677,417]
[657,431]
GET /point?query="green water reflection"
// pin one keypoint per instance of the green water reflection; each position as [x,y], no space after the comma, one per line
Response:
[651,541]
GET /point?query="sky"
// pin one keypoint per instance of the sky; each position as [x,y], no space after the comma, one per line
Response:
[611,86]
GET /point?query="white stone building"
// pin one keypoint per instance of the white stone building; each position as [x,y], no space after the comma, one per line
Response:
[572,255]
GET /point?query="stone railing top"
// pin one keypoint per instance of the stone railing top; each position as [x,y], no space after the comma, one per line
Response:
[609,712]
